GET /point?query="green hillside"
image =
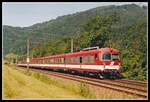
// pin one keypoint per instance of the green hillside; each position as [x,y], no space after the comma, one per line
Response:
[14,38]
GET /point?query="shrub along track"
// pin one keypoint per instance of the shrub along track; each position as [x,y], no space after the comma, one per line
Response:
[132,87]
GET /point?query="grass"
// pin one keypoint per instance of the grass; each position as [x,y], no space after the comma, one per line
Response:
[81,89]
[18,84]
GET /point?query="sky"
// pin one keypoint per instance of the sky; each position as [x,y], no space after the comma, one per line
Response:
[24,14]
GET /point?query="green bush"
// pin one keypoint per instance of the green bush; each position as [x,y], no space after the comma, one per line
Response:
[84,90]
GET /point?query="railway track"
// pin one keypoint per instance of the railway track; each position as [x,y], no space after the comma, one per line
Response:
[133,82]
[122,85]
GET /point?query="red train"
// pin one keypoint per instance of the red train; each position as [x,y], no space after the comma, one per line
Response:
[103,62]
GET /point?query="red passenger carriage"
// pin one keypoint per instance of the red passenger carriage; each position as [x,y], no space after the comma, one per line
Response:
[102,61]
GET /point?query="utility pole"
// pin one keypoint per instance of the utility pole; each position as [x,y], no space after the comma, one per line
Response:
[109,43]
[71,45]
[96,11]
[28,55]
[16,59]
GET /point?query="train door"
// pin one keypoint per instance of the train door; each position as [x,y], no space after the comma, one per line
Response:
[80,60]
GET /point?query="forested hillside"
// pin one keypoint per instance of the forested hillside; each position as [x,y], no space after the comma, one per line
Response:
[122,27]
[14,38]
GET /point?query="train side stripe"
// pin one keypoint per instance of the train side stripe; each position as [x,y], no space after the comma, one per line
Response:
[99,67]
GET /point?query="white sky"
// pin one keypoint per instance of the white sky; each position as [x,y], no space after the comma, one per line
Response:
[25,14]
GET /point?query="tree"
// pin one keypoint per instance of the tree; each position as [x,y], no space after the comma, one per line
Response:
[95,32]
[11,58]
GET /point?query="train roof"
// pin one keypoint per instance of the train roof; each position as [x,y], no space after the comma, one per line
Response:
[81,53]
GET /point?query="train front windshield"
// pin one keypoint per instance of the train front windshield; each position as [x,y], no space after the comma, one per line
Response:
[108,56]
